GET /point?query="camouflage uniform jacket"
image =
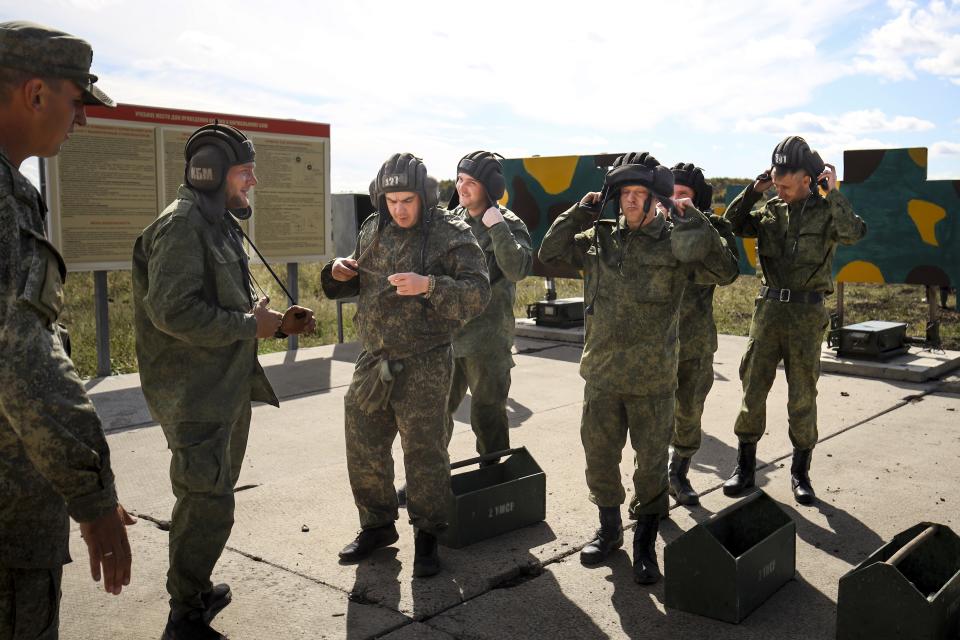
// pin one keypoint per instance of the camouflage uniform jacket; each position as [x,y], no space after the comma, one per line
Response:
[635,286]
[697,331]
[394,326]
[796,242]
[509,253]
[195,333]
[54,459]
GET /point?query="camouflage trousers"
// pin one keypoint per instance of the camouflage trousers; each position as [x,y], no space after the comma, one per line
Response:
[30,603]
[694,381]
[488,378]
[204,469]
[792,332]
[417,410]
[607,419]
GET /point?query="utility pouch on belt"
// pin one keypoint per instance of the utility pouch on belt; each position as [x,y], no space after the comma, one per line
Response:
[375,382]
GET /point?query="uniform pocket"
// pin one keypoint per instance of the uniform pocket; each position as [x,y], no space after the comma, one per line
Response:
[811,248]
[229,278]
[199,451]
[45,272]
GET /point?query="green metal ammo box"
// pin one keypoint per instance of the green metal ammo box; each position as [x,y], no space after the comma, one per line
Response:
[495,499]
[908,588]
[728,566]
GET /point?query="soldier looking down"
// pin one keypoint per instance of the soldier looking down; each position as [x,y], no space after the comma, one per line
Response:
[635,269]
[197,322]
[797,234]
[54,458]
[419,275]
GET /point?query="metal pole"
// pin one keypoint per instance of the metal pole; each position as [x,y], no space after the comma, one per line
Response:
[102,319]
[293,342]
[933,309]
[840,303]
[551,289]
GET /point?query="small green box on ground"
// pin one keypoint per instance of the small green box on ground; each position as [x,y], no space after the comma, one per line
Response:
[908,588]
[728,566]
[495,499]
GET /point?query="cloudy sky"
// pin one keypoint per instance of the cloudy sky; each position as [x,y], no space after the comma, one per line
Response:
[714,84]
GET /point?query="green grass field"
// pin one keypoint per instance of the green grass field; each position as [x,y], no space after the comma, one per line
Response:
[733,307]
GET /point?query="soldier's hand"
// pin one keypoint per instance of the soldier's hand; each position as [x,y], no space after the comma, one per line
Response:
[592,197]
[268,320]
[764,181]
[682,204]
[344,269]
[492,216]
[830,175]
[297,320]
[109,549]
[409,284]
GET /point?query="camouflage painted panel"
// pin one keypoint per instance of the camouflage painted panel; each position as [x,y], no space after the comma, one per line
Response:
[540,189]
[913,224]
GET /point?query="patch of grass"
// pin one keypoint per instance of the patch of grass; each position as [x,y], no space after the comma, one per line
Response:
[733,308]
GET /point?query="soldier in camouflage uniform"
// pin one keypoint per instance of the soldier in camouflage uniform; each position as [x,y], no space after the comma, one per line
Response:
[797,234]
[54,458]
[697,334]
[197,323]
[419,275]
[481,349]
[635,269]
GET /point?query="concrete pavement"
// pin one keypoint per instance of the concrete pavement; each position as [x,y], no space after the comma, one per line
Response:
[889,457]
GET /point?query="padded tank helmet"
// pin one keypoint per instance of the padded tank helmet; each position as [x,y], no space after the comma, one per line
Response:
[793,154]
[404,172]
[210,152]
[485,168]
[639,169]
[691,176]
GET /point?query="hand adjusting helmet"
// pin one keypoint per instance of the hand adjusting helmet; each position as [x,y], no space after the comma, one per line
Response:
[403,172]
[639,169]
[485,168]
[794,154]
[210,152]
[691,176]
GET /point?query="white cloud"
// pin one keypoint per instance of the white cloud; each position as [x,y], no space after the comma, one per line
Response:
[945,148]
[851,123]
[437,81]
[917,39]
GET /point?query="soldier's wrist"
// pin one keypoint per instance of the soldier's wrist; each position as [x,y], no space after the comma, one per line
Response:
[431,286]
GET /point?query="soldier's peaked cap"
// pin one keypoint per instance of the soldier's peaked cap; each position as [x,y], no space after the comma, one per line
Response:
[50,53]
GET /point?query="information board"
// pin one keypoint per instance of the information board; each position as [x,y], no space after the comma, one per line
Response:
[115,175]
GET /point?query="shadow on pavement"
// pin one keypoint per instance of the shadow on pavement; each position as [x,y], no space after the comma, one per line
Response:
[377,583]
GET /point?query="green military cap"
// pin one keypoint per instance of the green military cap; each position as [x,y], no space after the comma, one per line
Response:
[48,52]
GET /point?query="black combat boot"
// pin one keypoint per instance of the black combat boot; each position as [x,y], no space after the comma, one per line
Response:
[800,476]
[190,627]
[215,600]
[609,537]
[743,476]
[426,555]
[679,485]
[368,541]
[645,568]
